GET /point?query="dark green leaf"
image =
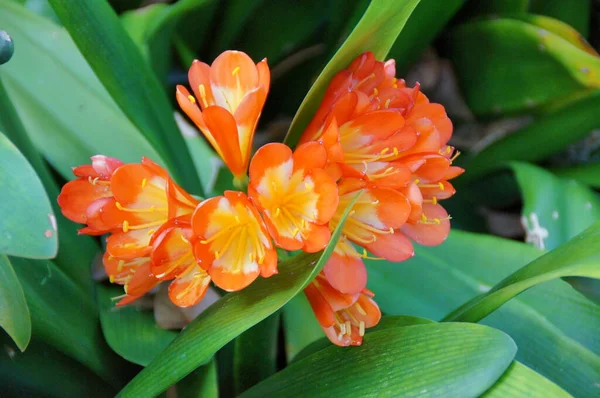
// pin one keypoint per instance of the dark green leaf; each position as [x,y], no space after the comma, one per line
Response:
[201,383]
[255,355]
[460,360]
[300,326]
[117,62]
[553,325]
[575,13]
[588,173]
[64,317]
[423,26]
[14,312]
[521,66]
[236,14]
[42,371]
[28,227]
[376,31]
[550,133]
[229,317]
[83,120]
[130,331]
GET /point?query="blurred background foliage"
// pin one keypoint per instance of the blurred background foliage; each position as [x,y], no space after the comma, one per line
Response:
[519,78]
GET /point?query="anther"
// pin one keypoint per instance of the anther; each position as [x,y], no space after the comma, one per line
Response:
[277,212]
[237,219]
[217,255]
[202,91]
[361,328]
[125,226]
[235,71]
[111,278]
[151,232]
[192,99]
[396,151]
[144,182]
[348,328]
[387,103]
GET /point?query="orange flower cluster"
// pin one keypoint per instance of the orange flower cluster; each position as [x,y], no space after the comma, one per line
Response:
[389,142]
[372,135]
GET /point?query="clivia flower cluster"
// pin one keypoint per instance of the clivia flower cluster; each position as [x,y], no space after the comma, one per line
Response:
[371,136]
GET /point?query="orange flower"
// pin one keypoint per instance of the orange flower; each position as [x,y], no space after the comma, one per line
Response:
[373,224]
[233,243]
[173,258]
[296,196]
[229,97]
[81,200]
[134,274]
[343,317]
[144,198]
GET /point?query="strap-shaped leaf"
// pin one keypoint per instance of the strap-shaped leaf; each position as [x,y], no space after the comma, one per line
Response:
[228,318]
[14,312]
[577,257]
[376,32]
[458,360]
[519,381]
[95,28]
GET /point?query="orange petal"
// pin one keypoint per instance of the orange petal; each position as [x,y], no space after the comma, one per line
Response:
[129,245]
[327,190]
[199,74]
[318,238]
[172,252]
[453,172]
[431,233]
[320,306]
[393,247]
[224,129]
[271,157]
[189,289]
[393,207]
[347,274]
[246,117]
[76,196]
[264,75]
[142,281]
[309,156]
[230,69]
[232,282]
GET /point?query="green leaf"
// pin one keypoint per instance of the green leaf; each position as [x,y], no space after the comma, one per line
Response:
[201,383]
[521,65]
[99,35]
[255,355]
[550,214]
[64,317]
[300,326]
[28,227]
[83,120]
[73,250]
[376,32]
[578,257]
[236,14]
[386,322]
[588,173]
[519,381]
[575,13]
[42,371]
[426,22]
[548,134]
[130,331]
[554,326]
[228,318]
[14,312]
[460,360]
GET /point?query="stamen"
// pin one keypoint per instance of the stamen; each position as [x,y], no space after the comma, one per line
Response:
[125,226]
[277,212]
[151,232]
[235,71]
[192,99]
[150,209]
[361,328]
[202,91]
[439,185]
[434,200]
[111,278]
[360,309]
[144,182]
[387,103]
[453,158]
[348,328]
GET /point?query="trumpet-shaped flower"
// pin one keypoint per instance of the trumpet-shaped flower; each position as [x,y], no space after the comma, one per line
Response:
[343,317]
[82,199]
[372,224]
[295,194]
[233,243]
[228,99]
[144,198]
[173,259]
